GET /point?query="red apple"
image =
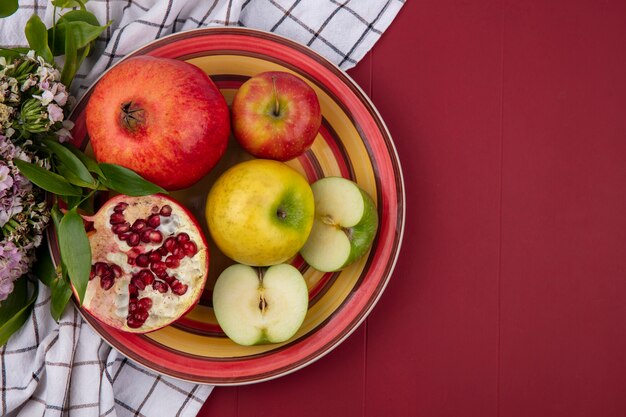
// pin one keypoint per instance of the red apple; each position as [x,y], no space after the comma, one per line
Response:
[276,115]
[163,118]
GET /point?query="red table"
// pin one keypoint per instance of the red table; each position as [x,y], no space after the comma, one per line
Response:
[509,297]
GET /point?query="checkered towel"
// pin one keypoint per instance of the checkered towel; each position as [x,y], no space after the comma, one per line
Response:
[64,368]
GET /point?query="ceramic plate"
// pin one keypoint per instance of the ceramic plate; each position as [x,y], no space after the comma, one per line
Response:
[353,142]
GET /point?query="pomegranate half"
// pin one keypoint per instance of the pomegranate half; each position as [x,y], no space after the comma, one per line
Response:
[149,263]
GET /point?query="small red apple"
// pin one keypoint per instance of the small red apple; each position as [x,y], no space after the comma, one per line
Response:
[163,118]
[276,115]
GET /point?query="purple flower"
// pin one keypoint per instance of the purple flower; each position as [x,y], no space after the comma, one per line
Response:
[13,264]
[55,113]
[6,180]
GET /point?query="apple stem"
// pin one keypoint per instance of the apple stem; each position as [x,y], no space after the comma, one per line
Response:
[276,103]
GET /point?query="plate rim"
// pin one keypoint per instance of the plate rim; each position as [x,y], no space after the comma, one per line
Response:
[393,153]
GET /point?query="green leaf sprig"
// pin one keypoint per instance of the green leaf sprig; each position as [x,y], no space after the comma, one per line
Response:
[72,34]
[73,180]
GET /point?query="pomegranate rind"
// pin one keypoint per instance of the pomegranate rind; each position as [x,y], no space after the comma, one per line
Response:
[184,127]
[111,306]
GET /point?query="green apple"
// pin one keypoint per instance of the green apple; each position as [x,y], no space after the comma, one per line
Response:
[345,224]
[260,212]
[255,306]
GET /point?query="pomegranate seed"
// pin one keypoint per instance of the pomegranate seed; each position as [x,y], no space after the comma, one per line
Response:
[117,271]
[117,218]
[133,239]
[132,306]
[139,225]
[138,283]
[132,291]
[124,236]
[131,261]
[145,235]
[172,262]
[182,238]
[120,207]
[100,268]
[142,260]
[145,303]
[190,249]
[166,211]
[141,315]
[92,273]
[170,244]
[154,256]
[161,274]
[120,228]
[106,282]
[159,266]
[108,274]
[133,323]
[180,288]
[146,276]
[156,236]
[155,209]
[162,251]
[154,221]
[169,279]
[160,286]
[178,252]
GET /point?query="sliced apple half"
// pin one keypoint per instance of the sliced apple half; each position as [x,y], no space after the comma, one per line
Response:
[344,227]
[256,306]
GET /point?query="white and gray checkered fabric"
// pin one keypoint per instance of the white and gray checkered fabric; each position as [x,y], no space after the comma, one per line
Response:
[66,369]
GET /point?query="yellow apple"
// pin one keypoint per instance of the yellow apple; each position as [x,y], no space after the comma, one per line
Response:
[260,212]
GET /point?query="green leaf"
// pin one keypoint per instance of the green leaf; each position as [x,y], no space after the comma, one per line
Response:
[77,170]
[56,215]
[37,36]
[8,7]
[81,32]
[72,202]
[90,163]
[60,294]
[73,178]
[15,301]
[16,308]
[80,16]
[75,251]
[12,53]
[44,267]
[128,182]
[71,61]
[69,4]
[47,180]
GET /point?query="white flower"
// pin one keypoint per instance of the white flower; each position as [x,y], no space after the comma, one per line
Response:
[5,113]
[65,133]
[55,113]
[6,180]
[31,81]
[61,95]
[46,97]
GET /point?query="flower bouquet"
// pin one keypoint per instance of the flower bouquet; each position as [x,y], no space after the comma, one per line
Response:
[44,178]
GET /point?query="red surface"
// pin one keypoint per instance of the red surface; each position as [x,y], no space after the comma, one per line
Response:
[509,297]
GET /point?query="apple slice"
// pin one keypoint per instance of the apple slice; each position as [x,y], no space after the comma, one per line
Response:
[344,227]
[255,306]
